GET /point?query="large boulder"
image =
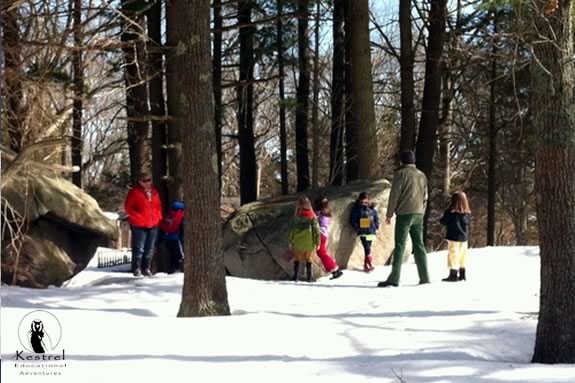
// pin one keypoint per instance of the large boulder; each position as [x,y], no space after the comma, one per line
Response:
[256,237]
[55,228]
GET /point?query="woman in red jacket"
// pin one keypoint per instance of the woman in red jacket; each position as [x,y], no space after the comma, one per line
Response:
[144,211]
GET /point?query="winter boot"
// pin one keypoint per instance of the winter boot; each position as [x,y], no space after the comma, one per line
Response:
[295,271]
[452,276]
[367,265]
[462,276]
[136,267]
[336,274]
[308,271]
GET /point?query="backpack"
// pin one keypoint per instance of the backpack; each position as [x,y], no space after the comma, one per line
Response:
[172,222]
[365,219]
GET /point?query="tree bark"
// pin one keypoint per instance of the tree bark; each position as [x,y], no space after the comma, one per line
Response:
[204,292]
[157,102]
[429,122]
[351,161]
[336,164]
[77,110]
[362,91]
[492,170]
[217,82]
[174,83]
[302,99]
[248,164]
[553,86]
[282,107]
[315,105]
[406,60]
[136,90]
[12,74]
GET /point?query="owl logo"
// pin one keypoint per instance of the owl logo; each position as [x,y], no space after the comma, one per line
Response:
[40,332]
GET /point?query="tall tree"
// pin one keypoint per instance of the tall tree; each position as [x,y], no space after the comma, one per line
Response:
[406,61]
[351,135]
[553,111]
[491,173]
[429,121]
[282,104]
[136,90]
[302,98]
[217,81]
[174,81]
[362,90]
[248,164]
[12,73]
[315,103]
[336,165]
[78,94]
[157,101]
[204,292]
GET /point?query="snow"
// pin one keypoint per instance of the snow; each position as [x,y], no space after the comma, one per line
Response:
[116,327]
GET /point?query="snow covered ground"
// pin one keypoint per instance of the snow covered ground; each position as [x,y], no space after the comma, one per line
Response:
[117,328]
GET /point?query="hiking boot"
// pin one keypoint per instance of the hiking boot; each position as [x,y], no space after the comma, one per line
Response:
[336,274]
[462,276]
[137,273]
[147,273]
[387,284]
[452,276]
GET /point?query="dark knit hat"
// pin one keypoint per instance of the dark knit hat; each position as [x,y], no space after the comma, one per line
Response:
[407,157]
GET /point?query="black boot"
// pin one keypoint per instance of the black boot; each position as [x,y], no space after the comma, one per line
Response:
[336,274]
[308,271]
[452,276]
[462,274]
[295,271]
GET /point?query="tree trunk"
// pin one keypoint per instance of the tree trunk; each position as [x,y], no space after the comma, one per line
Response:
[553,111]
[406,60]
[315,106]
[217,82]
[429,122]
[362,91]
[248,164]
[336,165]
[157,102]
[136,91]
[174,82]
[302,98]
[282,107]
[204,292]
[351,161]
[12,73]
[445,130]
[78,94]
[491,173]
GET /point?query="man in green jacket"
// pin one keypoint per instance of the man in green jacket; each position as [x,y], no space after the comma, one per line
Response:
[407,200]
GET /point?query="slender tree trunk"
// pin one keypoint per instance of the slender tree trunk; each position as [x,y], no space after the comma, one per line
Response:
[553,86]
[248,164]
[173,82]
[315,106]
[12,73]
[282,107]
[302,96]
[78,94]
[336,165]
[204,292]
[136,90]
[491,174]
[445,130]
[362,91]
[406,60]
[217,80]
[157,102]
[429,122]
[351,135]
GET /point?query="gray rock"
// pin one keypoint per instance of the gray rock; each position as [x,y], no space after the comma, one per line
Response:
[62,227]
[256,237]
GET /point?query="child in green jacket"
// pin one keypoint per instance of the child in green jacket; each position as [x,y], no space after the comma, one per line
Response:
[304,237]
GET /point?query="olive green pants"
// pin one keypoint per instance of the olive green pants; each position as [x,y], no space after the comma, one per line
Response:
[411,224]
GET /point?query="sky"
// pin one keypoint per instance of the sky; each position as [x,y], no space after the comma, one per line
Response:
[113,327]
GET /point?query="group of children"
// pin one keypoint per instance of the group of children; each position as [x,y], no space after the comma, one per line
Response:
[310,227]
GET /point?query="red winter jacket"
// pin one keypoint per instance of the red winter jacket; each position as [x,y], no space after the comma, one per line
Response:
[141,211]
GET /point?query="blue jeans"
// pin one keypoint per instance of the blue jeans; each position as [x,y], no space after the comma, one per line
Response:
[143,241]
